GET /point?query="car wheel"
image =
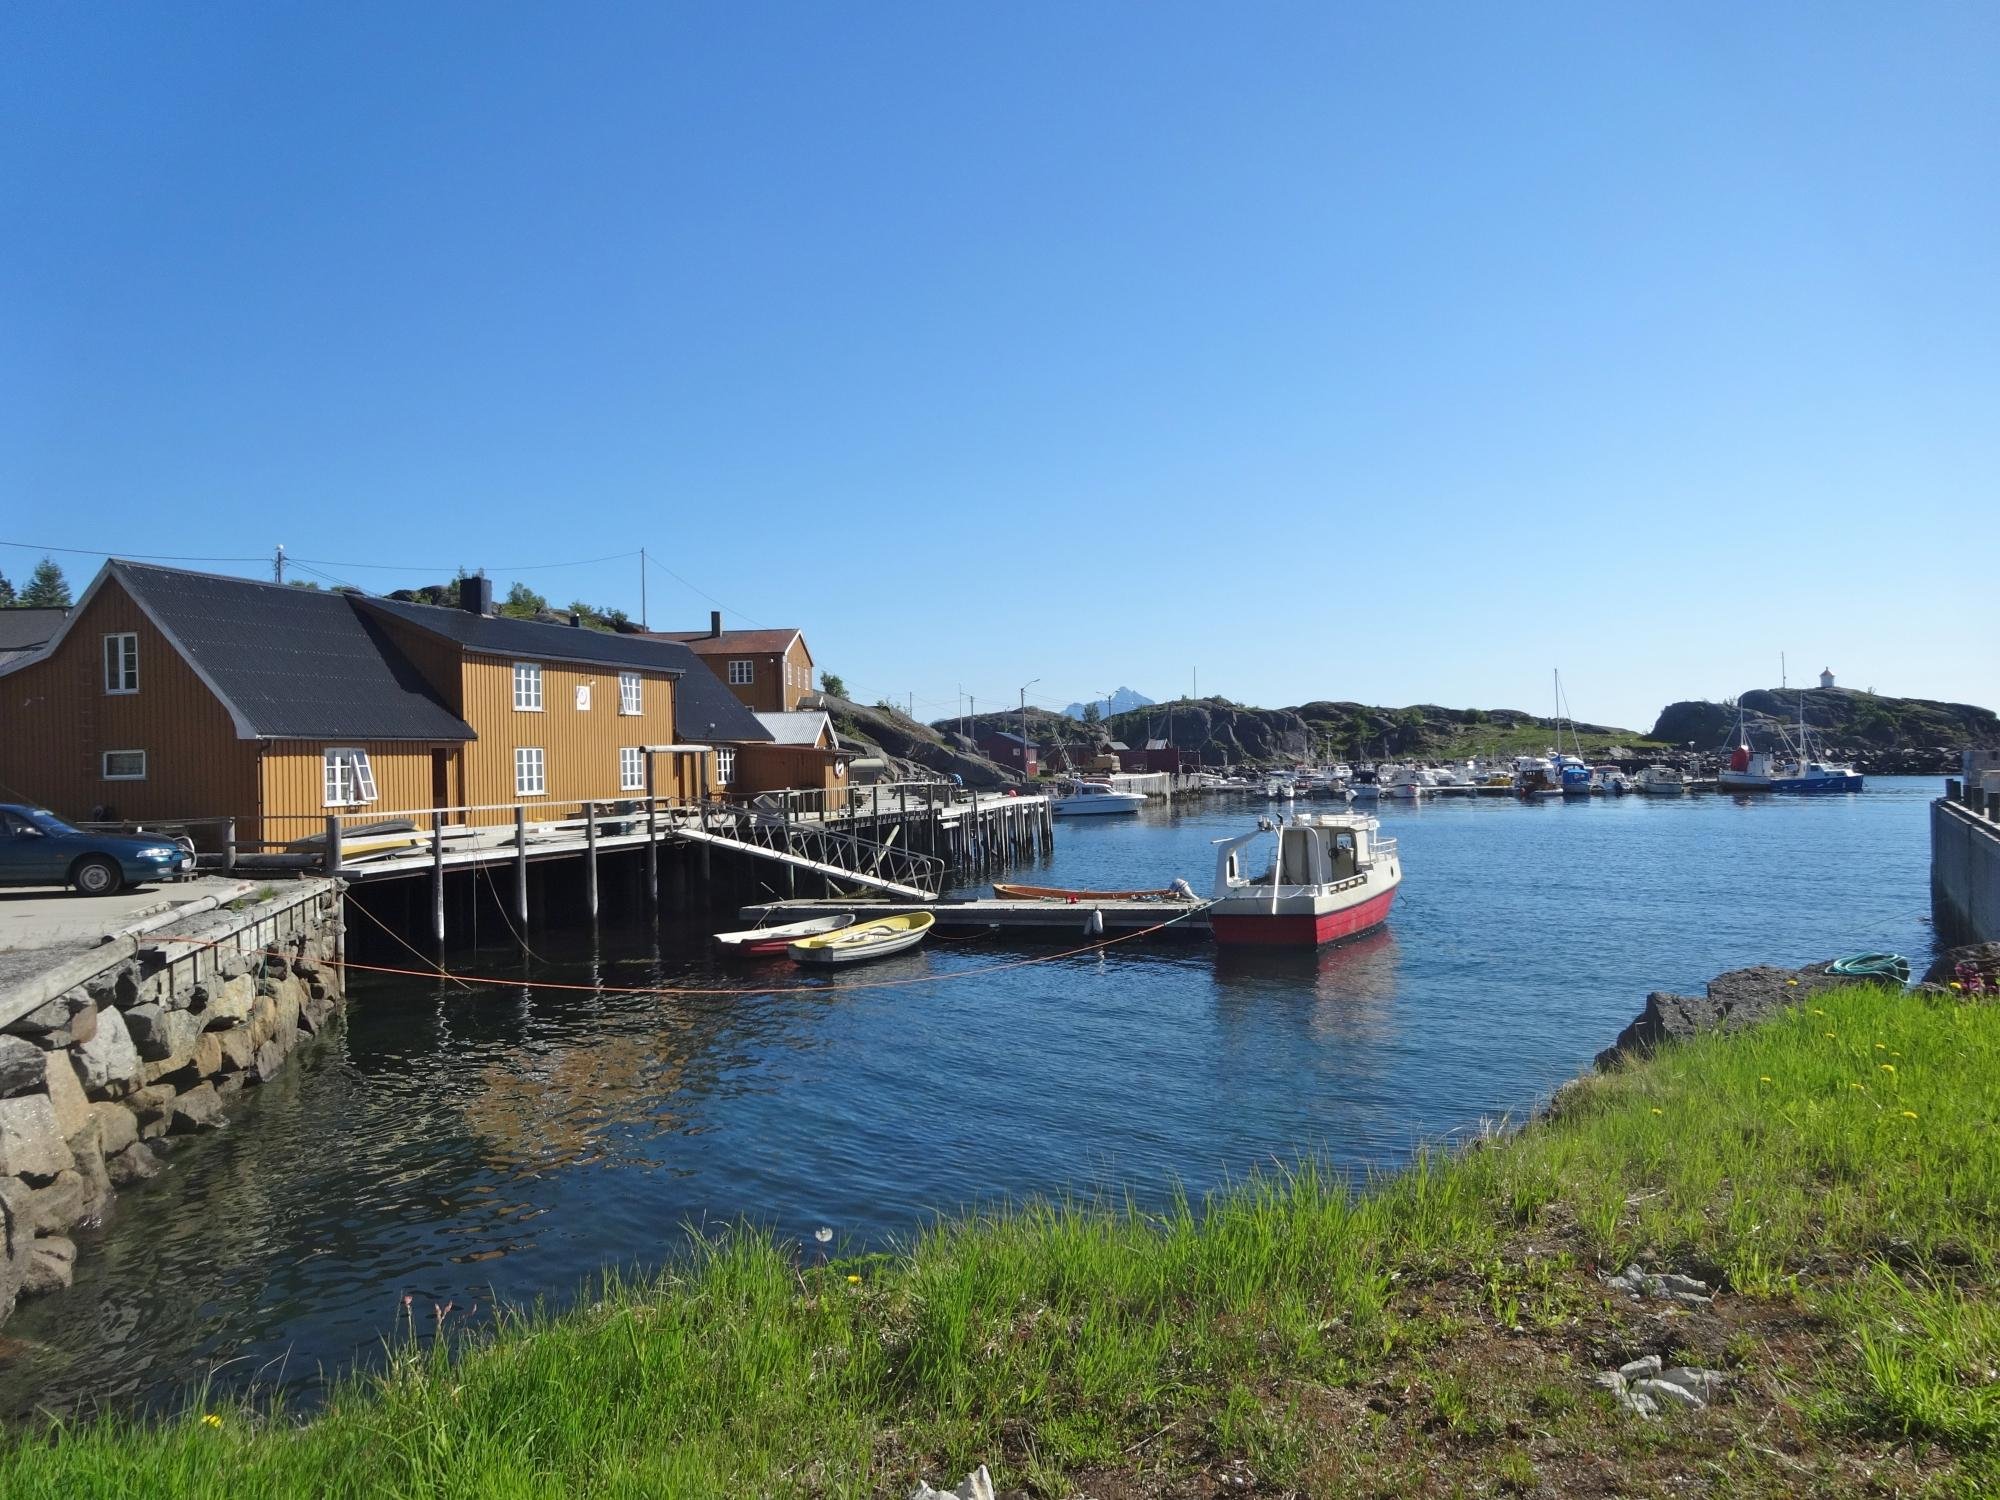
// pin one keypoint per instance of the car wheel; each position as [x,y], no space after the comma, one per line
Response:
[98,876]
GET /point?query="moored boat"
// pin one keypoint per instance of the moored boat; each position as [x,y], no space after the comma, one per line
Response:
[763,942]
[1330,878]
[1662,781]
[1095,799]
[1176,892]
[864,940]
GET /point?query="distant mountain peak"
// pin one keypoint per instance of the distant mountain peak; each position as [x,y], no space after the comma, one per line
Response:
[1123,701]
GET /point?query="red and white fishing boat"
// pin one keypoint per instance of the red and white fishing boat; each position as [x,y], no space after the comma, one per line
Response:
[1330,878]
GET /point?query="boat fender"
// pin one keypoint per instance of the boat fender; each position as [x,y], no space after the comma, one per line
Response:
[1095,926]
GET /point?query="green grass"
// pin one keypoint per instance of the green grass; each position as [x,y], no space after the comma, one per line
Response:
[1433,1333]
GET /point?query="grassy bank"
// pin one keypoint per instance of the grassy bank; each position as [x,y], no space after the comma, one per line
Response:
[1836,1171]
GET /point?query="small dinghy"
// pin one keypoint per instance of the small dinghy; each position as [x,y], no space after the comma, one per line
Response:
[1179,892]
[762,942]
[863,941]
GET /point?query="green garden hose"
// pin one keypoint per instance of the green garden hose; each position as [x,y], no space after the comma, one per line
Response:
[1873,966]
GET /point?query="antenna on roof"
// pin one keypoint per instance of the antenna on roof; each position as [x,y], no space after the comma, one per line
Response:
[278,565]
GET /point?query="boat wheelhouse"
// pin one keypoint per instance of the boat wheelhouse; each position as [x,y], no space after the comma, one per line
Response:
[1330,878]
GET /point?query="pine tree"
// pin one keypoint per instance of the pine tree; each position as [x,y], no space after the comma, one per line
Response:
[6,591]
[47,588]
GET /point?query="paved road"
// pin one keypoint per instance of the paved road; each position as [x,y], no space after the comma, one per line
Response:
[40,917]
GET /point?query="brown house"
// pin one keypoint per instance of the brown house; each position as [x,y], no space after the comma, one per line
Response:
[169,694]
[770,671]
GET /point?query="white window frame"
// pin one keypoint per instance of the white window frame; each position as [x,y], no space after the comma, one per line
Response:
[725,766]
[126,671]
[631,769]
[346,777]
[527,687]
[747,677]
[104,765]
[531,771]
[631,693]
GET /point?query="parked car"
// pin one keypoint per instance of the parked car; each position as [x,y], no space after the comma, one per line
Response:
[39,848]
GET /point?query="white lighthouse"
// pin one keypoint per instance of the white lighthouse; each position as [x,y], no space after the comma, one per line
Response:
[1826,678]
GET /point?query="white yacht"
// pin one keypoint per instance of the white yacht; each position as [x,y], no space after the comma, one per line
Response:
[1095,799]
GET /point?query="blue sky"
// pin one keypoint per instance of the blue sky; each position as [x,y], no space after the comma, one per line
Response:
[1388,353]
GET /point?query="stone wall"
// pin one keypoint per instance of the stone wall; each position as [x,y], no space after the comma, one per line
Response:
[108,1061]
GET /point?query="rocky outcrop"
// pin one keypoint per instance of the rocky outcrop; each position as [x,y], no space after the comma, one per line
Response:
[1888,736]
[913,751]
[96,1080]
[1962,966]
[1740,998]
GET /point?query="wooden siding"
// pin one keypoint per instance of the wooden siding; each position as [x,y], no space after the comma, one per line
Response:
[56,721]
[769,691]
[579,747]
[294,782]
[772,768]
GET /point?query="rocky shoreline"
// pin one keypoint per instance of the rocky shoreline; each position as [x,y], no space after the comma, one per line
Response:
[100,1081]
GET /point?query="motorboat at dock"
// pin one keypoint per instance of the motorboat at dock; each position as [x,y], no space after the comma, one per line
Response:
[1662,781]
[1095,799]
[1330,878]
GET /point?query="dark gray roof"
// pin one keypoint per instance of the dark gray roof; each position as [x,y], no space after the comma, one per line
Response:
[26,626]
[503,635]
[291,663]
[704,709]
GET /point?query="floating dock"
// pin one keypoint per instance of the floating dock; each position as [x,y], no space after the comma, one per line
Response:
[1057,920]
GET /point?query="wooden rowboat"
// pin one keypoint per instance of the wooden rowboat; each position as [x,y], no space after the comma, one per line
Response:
[863,941]
[1058,893]
[761,942]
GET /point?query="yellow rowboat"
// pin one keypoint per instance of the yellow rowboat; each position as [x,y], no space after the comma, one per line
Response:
[863,941]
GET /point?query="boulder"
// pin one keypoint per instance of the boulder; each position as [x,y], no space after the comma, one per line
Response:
[117,1127]
[64,1202]
[270,1058]
[87,1146]
[238,1051]
[230,1003]
[31,1142]
[116,987]
[134,1164]
[108,1063]
[62,1022]
[207,1057]
[1739,998]
[163,1036]
[51,1263]
[66,1095]
[23,1066]
[17,1233]
[197,1109]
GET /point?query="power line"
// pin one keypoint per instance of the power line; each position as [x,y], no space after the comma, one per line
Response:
[701,591]
[136,556]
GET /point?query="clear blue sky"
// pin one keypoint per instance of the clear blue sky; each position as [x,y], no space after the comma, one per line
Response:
[1396,353]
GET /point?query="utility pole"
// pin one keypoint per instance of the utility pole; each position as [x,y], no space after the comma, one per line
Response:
[642,590]
[1024,727]
[278,565]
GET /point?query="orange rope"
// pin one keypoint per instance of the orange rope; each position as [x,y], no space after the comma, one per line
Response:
[764,989]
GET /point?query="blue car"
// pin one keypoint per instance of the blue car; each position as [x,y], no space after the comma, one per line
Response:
[39,848]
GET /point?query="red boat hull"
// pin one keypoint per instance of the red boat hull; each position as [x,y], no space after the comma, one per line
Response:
[1284,930]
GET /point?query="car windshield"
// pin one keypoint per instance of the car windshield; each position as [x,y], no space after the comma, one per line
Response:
[47,821]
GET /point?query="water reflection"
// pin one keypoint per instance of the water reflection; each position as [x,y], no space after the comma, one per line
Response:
[1346,992]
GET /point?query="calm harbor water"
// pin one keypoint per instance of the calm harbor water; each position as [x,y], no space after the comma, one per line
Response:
[510,1142]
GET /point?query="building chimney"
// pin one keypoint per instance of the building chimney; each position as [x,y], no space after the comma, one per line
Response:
[575,620]
[475,594]
[715,624]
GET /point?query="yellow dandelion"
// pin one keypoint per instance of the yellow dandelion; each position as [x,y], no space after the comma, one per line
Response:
[1909,1114]
[1793,983]
[1831,1037]
[210,1419]
[1954,984]
[1881,1046]
[1888,1067]
[1766,1078]
[1861,1086]
[1819,1012]
[1894,1053]
[1658,1111]
[853,1280]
